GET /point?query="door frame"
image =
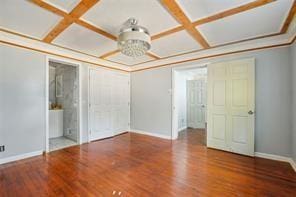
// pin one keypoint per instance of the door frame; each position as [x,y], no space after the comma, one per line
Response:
[88,99]
[78,66]
[174,107]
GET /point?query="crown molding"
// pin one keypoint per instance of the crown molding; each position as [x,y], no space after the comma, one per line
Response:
[279,40]
[39,46]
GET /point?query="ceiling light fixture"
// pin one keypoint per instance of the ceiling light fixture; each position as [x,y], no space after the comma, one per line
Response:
[133,40]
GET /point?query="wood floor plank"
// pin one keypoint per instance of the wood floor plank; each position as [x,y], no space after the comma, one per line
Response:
[138,165]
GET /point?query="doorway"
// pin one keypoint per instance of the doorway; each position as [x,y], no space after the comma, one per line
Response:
[229,110]
[62,104]
[189,104]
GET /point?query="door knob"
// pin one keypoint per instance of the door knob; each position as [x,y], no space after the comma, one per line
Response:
[250,112]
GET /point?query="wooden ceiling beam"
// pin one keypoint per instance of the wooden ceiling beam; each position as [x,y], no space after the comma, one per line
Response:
[289,18]
[50,8]
[109,54]
[168,32]
[57,30]
[75,14]
[152,55]
[180,16]
[70,18]
[232,11]
[96,29]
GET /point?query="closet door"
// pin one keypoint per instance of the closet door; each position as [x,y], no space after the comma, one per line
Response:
[108,103]
[231,104]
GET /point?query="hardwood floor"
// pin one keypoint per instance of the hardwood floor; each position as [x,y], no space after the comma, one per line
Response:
[139,165]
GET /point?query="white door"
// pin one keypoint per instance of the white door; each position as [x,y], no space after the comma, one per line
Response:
[231,105]
[109,103]
[196,103]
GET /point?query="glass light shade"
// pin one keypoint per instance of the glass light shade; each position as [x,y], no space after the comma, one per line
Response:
[133,48]
[134,40]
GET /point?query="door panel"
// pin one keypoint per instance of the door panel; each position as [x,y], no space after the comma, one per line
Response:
[241,101]
[196,103]
[109,103]
[231,88]
[217,111]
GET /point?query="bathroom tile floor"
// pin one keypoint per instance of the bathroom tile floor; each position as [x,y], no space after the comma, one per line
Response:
[60,142]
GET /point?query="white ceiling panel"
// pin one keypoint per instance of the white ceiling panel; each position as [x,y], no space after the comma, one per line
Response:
[82,39]
[66,5]
[197,9]
[120,58]
[109,15]
[26,18]
[260,21]
[176,43]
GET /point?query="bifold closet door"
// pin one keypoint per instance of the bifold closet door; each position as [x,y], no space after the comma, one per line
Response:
[231,105]
[109,103]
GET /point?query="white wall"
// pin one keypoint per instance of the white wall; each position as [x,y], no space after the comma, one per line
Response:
[151,100]
[293,55]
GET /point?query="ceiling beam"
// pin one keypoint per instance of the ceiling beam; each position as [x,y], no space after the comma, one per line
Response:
[289,18]
[75,14]
[70,18]
[232,11]
[96,29]
[50,8]
[57,30]
[180,16]
[168,32]
[109,54]
[152,55]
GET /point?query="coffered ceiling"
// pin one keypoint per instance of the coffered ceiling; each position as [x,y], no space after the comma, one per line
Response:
[177,27]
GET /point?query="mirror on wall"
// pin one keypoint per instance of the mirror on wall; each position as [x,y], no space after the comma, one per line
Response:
[59,86]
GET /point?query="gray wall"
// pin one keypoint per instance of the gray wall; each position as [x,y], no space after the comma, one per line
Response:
[151,100]
[293,55]
[22,101]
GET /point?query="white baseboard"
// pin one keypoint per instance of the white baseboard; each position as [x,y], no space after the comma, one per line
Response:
[19,157]
[151,134]
[277,158]
[181,129]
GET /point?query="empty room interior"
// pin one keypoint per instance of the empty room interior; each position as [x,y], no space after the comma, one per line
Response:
[147,98]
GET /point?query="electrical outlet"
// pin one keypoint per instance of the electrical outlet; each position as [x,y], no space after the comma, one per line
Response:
[2,148]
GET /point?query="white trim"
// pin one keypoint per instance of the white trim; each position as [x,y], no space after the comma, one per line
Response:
[293,164]
[96,68]
[277,158]
[78,65]
[56,50]
[168,137]
[174,107]
[19,157]
[181,129]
